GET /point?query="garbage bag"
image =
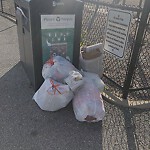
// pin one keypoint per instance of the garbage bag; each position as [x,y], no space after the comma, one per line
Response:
[52,95]
[88,103]
[95,79]
[91,58]
[57,68]
[74,80]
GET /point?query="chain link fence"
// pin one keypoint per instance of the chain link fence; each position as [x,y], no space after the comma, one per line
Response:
[115,70]
[140,85]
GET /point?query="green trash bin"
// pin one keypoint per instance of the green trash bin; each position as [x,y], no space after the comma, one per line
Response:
[45,28]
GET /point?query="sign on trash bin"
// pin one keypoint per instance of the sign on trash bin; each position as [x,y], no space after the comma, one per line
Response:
[117,31]
[57,35]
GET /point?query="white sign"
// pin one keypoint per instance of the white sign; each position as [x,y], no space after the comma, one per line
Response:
[57,35]
[118,25]
[57,21]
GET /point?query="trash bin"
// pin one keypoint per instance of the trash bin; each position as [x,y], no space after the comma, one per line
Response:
[43,29]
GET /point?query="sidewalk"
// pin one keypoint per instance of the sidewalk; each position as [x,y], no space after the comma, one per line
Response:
[24,126]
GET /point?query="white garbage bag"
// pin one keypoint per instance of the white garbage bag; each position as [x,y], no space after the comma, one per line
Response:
[52,95]
[57,68]
[91,58]
[92,65]
[74,80]
[96,80]
[88,103]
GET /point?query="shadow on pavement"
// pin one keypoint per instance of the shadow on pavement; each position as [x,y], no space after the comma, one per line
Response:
[125,128]
[26,127]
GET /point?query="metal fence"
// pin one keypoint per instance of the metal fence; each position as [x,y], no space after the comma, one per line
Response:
[140,84]
[129,77]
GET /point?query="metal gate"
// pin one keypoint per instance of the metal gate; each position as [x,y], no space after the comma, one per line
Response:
[127,80]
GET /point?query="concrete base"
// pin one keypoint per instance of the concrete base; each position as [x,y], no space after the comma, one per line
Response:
[140,104]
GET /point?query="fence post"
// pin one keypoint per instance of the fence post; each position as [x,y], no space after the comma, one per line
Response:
[136,48]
